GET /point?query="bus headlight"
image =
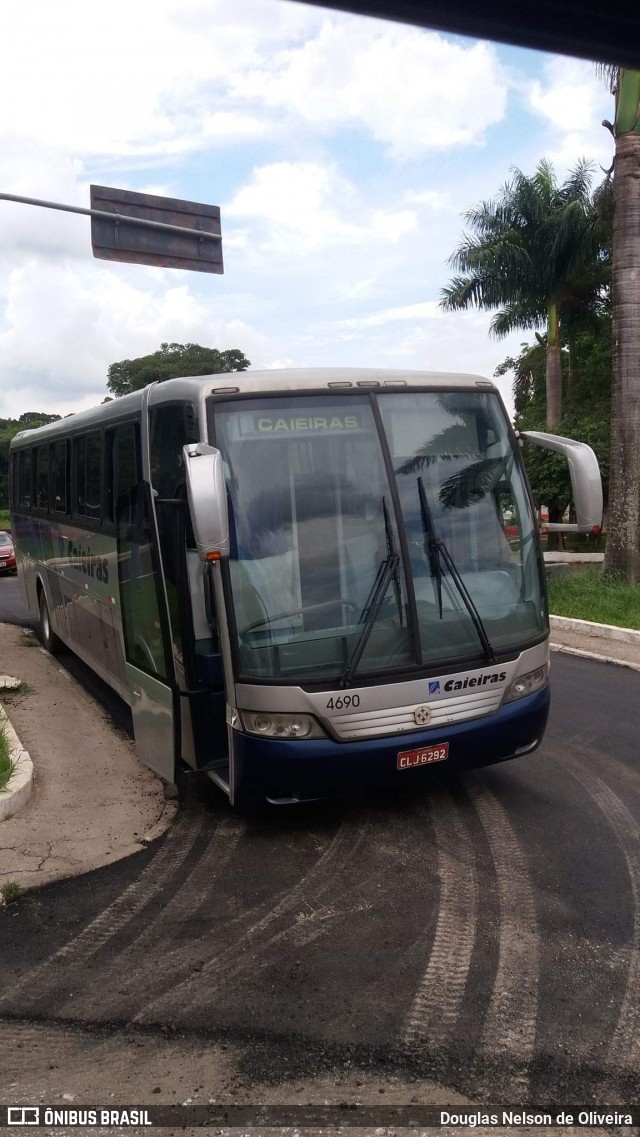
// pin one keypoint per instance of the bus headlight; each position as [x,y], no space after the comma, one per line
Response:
[270,725]
[527,684]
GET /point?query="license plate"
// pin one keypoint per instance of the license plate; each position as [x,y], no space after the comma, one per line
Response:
[423,756]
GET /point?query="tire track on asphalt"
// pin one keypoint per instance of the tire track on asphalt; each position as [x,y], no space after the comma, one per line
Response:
[615,768]
[624,1046]
[351,897]
[175,849]
[133,960]
[320,879]
[438,1000]
[509,1029]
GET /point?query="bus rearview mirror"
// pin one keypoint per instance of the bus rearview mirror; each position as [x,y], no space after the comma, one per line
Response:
[586,482]
[207,495]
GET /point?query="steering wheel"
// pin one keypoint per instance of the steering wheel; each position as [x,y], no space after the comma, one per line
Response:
[299,612]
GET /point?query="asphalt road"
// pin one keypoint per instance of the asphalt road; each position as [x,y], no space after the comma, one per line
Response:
[12,609]
[483,933]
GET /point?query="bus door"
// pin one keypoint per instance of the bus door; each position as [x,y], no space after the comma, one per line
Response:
[149,665]
[194,637]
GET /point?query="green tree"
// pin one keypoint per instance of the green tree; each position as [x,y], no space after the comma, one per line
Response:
[587,408]
[172,361]
[535,254]
[623,525]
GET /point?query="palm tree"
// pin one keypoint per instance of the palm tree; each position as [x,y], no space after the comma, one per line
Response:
[528,254]
[623,529]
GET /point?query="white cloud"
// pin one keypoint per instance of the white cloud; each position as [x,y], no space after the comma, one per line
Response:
[426,310]
[413,91]
[419,336]
[573,100]
[42,173]
[126,81]
[65,326]
[568,96]
[166,78]
[306,206]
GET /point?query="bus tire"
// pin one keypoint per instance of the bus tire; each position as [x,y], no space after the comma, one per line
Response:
[49,639]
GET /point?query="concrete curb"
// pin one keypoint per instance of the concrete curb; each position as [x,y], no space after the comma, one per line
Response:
[18,790]
[162,824]
[600,631]
[594,655]
[562,558]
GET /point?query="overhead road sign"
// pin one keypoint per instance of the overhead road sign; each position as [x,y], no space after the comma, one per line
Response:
[185,234]
[142,228]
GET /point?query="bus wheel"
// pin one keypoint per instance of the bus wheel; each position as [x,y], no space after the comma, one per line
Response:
[49,639]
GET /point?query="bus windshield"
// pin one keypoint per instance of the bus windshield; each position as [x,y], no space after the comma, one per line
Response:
[358,521]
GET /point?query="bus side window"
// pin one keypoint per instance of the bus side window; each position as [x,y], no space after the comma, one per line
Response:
[79,464]
[88,472]
[25,479]
[125,469]
[42,477]
[172,425]
[59,477]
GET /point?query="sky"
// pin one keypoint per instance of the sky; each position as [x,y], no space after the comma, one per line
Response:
[343,152]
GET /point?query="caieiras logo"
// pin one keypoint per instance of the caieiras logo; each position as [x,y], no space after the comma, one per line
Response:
[88,563]
[475,681]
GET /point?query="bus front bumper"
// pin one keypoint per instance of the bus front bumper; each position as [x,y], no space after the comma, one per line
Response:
[299,770]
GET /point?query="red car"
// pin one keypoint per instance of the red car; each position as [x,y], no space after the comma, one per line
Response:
[7,553]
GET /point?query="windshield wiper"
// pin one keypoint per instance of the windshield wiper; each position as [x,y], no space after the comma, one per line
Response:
[387,570]
[388,567]
[436,551]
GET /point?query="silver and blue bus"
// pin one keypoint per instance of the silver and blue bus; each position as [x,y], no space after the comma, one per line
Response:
[302,582]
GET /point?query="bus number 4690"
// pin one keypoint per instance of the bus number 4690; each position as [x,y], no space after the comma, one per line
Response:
[343,702]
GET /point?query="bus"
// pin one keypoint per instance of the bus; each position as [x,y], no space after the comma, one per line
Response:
[300,581]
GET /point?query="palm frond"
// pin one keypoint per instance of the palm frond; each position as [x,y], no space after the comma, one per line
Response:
[609,72]
[471,484]
[515,317]
[463,292]
[577,186]
[538,240]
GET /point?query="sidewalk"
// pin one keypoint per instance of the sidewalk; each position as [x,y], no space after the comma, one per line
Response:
[92,801]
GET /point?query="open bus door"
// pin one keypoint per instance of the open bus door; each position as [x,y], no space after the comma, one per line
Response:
[149,668]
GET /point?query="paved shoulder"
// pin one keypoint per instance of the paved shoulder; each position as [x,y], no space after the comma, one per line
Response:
[601,642]
[93,803]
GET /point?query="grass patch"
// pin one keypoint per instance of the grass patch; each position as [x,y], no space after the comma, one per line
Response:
[6,764]
[587,595]
[5,519]
[9,891]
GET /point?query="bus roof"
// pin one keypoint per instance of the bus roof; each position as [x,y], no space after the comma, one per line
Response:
[197,388]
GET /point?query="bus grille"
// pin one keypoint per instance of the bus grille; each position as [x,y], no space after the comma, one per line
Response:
[400,720]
